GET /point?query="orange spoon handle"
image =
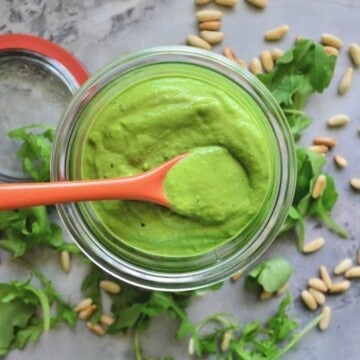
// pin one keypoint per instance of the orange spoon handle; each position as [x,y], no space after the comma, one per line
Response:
[147,187]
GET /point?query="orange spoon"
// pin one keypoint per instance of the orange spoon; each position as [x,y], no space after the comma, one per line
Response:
[147,186]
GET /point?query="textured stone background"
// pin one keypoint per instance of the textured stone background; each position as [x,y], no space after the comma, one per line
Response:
[98,31]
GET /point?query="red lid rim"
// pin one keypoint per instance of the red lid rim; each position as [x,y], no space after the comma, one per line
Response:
[46,48]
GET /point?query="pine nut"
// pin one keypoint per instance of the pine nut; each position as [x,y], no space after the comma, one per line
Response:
[319,186]
[191,346]
[229,3]
[309,300]
[212,37]
[86,313]
[298,38]
[110,286]
[83,305]
[330,50]
[355,183]
[325,320]
[352,273]
[325,277]
[210,25]
[327,141]
[282,289]
[345,82]
[338,120]
[331,40]
[267,60]
[225,342]
[242,63]
[238,275]
[320,149]
[208,15]
[229,53]
[343,266]
[107,319]
[277,33]
[202,2]
[255,66]
[339,287]
[358,257]
[340,161]
[277,54]
[354,50]
[96,328]
[261,4]
[318,296]
[196,41]
[264,295]
[65,260]
[314,245]
[317,284]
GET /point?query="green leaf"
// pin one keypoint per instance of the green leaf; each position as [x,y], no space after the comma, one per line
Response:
[271,275]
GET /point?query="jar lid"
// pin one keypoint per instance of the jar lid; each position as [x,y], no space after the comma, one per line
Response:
[37,80]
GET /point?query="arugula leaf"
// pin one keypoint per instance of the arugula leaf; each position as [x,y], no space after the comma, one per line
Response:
[270,275]
[35,151]
[255,341]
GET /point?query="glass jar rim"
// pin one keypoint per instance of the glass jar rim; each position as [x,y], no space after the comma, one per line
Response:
[179,281]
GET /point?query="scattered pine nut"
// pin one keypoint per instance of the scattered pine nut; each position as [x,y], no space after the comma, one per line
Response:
[229,53]
[266,60]
[202,2]
[353,273]
[191,346]
[198,42]
[261,4]
[86,313]
[309,300]
[339,287]
[212,37]
[277,33]
[242,63]
[331,50]
[318,296]
[264,295]
[325,320]
[65,260]
[320,149]
[355,183]
[208,15]
[225,342]
[325,277]
[277,54]
[210,25]
[107,319]
[338,120]
[358,257]
[343,266]
[255,66]
[283,289]
[340,161]
[96,328]
[331,40]
[327,141]
[298,38]
[238,275]
[318,284]
[345,82]
[314,245]
[229,3]
[83,304]
[110,286]
[354,51]
[319,186]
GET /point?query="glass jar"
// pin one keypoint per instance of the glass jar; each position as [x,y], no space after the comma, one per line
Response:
[162,270]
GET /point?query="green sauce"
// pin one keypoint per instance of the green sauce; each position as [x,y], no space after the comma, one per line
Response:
[138,125]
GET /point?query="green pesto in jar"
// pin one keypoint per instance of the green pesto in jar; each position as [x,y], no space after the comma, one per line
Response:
[151,115]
